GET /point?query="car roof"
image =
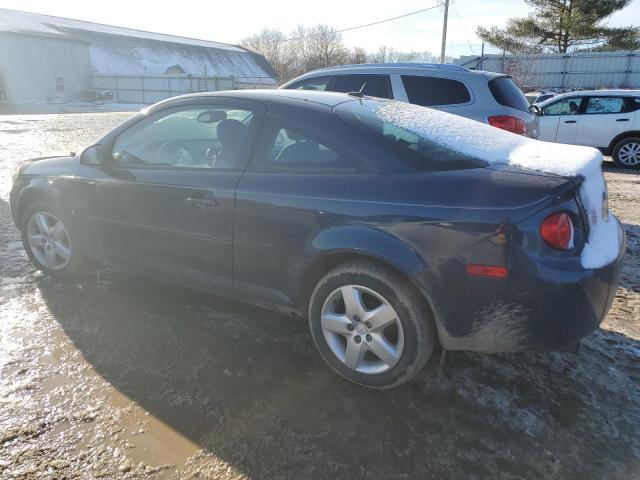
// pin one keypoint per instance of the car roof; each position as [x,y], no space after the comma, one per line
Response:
[617,92]
[328,99]
[426,69]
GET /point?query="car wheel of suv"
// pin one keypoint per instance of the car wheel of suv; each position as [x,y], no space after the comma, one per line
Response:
[48,241]
[626,153]
[371,325]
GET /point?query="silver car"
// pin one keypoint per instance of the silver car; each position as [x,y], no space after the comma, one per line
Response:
[488,97]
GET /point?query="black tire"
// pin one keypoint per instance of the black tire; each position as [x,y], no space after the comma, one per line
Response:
[615,154]
[420,335]
[76,266]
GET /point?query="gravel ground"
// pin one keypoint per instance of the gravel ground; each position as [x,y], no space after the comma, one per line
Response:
[133,378]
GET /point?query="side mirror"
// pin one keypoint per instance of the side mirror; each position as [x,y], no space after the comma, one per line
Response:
[536,109]
[93,155]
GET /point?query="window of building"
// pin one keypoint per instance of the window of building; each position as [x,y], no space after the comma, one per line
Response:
[3,90]
[59,84]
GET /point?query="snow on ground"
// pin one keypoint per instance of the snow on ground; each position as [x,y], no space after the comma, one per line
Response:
[497,146]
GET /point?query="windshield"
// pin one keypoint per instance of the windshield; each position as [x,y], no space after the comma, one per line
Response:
[368,116]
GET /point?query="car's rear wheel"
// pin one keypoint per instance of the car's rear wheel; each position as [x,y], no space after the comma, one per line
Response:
[49,243]
[371,325]
[626,153]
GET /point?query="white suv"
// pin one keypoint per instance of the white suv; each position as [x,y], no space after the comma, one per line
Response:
[488,97]
[606,119]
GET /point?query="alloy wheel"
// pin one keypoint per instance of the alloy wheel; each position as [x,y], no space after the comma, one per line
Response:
[629,154]
[362,329]
[48,240]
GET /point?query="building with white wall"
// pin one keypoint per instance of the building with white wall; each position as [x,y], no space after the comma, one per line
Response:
[51,58]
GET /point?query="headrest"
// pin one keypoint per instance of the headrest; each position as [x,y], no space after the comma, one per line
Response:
[231,132]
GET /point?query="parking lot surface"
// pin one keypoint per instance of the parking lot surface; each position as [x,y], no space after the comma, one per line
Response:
[130,377]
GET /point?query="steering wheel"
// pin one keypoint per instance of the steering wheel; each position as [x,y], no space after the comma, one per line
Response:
[211,155]
[178,153]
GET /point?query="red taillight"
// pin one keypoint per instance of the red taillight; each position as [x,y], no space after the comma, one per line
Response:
[509,123]
[557,231]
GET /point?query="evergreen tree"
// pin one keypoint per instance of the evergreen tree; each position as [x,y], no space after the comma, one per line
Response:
[563,25]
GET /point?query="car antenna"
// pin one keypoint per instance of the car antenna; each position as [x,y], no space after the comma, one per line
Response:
[359,92]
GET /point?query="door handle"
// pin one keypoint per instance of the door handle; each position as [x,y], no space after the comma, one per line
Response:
[570,121]
[622,120]
[198,200]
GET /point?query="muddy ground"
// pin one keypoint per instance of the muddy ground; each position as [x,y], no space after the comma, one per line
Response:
[135,378]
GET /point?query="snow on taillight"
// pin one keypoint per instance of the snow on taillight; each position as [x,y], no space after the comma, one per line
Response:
[509,123]
[557,231]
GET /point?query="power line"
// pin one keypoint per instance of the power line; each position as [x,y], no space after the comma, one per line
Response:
[363,26]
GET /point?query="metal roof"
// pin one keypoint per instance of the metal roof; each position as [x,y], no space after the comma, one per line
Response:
[15,21]
[120,50]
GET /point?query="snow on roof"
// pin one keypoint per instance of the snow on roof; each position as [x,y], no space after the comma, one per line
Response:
[126,51]
[15,21]
[496,146]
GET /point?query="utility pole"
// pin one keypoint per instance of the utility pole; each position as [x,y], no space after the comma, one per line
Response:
[444,30]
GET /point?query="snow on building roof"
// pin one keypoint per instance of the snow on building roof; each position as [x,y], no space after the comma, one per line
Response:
[127,51]
[15,21]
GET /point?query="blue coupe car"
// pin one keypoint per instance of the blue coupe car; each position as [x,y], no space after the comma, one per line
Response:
[393,228]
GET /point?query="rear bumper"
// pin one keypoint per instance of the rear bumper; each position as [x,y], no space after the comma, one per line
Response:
[541,309]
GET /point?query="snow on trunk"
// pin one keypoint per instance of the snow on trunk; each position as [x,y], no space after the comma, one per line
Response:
[495,146]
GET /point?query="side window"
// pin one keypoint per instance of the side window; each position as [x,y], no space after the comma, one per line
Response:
[191,137]
[604,105]
[433,91]
[568,106]
[633,104]
[316,83]
[373,85]
[287,149]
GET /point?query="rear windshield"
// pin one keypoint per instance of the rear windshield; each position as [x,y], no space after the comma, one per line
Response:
[508,94]
[367,115]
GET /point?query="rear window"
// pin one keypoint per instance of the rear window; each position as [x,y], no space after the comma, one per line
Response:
[317,83]
[597,105]
[508,94]
[366,116]
[433,91]
[372,85]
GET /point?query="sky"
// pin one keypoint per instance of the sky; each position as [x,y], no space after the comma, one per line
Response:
[229,21]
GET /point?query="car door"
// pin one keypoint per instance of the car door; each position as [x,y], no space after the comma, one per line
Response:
[603,118]
[559,120]
[298,183]
[164,203]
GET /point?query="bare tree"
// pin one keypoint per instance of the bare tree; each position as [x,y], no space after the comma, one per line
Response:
[358,55]
[321,46]
[387,54]
[272,44]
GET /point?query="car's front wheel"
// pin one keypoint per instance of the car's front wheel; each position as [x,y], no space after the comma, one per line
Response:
[371,325]
[626,153]
[47,239]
